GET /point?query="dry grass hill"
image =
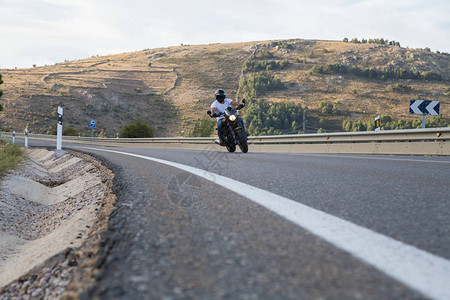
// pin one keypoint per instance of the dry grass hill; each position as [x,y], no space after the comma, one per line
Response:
[171,88]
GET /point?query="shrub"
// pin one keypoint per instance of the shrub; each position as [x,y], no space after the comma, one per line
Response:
[258,83]
[386,73]
[387,123]
[447,91]
[428,75]
[399,88]
[136,129]
[70,131]
[335,68]
[10,156]
[327,108]
[254,65]
[316,70]
[263,54]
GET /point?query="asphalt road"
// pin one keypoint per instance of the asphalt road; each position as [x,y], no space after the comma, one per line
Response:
[177,236]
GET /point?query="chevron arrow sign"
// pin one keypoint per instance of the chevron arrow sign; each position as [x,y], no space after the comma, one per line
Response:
[424,107]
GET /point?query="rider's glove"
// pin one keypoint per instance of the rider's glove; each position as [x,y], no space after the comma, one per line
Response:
[214,115]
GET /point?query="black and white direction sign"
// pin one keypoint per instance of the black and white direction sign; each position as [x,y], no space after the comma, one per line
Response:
[424,107]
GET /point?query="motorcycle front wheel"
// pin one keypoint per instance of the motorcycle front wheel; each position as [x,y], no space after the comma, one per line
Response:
[231,148]
[243,141]
[244,146]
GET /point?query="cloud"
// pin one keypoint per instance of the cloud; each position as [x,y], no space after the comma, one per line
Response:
[49,31]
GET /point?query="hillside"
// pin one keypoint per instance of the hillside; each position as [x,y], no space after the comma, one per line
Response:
[171,88]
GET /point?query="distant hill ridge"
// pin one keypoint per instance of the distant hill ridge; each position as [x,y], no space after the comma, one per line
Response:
[336,82]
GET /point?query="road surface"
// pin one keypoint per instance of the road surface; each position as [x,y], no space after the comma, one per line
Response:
[175,235]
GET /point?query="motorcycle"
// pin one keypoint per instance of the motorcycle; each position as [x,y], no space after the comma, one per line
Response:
[233,131]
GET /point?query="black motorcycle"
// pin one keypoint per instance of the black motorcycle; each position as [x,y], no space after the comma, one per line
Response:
[233,131]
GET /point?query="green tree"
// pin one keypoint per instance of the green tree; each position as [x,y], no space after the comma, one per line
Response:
[258,83]
[265,117]
[263,54]
[203,128]
[327,108]
[136,129]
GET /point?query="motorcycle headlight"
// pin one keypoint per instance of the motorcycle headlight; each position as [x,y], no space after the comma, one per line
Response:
[233,118]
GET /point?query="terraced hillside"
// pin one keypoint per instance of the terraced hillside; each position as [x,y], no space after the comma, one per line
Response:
[171,88]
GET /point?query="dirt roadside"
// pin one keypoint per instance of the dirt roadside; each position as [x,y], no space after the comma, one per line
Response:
[52,213]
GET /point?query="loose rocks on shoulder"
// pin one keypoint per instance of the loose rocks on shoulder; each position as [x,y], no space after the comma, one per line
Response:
[53,211]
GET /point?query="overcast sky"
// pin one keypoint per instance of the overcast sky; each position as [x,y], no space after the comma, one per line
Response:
[49,31]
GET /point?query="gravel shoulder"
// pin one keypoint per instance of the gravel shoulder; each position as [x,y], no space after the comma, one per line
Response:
[52,212]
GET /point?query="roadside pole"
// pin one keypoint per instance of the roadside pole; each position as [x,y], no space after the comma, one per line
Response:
[14,137]
[59,129]
[377,123]
[304,121]
[26,138]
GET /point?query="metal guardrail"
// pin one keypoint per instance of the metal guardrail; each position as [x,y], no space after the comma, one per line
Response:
[408,138]
[405,135]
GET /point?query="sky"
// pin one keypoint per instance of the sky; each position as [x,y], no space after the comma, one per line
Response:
[45,32]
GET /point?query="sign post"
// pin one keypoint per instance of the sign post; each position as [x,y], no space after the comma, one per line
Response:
[93,124]
[424,107]
[59,129]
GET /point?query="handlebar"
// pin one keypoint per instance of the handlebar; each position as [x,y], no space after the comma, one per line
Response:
[240,106]
[214,115]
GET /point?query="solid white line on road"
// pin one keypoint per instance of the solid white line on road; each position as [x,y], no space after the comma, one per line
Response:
[418,269]
[339,156]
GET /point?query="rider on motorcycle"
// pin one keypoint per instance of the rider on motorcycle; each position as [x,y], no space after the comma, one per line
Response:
[219,106]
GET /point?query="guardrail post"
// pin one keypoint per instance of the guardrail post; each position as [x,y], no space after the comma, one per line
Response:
[26,138]
[59,129]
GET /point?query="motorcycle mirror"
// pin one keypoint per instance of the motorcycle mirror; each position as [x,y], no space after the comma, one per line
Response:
[243,101]
[208,112]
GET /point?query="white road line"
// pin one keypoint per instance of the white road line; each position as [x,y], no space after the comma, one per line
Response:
[376,158]
[418,269]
